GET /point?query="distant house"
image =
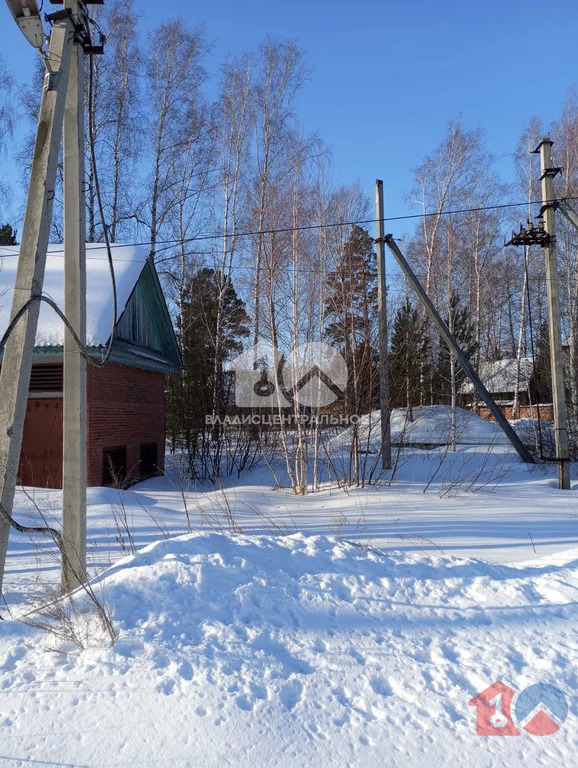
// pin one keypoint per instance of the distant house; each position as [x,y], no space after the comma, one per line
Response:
[500,379]
[126,398]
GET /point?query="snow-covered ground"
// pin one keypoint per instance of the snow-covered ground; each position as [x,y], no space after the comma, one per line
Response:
[431,425]
[337,629]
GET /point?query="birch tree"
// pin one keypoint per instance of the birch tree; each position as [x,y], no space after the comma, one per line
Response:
[529,186]
[445,179]
[280,72]
[175,74]
[6,114]
[565,136]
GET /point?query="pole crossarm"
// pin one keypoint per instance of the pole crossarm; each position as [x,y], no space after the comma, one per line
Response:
[523,452]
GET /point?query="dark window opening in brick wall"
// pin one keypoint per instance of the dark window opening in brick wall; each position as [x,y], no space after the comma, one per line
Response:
[114,466]
[149,459]
[46,378]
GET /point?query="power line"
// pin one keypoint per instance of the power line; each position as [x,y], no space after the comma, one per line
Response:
[306,227]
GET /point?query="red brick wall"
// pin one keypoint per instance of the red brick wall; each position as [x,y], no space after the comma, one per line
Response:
[524,412]
[41,454]
[126,407]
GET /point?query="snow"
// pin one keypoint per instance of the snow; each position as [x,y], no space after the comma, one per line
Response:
[431,425]
[259,628]
[294,651]
[128,265]
[499,376]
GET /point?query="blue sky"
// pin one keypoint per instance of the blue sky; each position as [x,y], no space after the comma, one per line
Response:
[388,76]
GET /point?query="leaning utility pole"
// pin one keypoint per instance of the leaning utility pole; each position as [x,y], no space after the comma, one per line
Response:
[382,310]
[454,347]
[548,172]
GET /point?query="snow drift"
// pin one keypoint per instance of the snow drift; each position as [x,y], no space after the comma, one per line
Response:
[431,425]
[295,651]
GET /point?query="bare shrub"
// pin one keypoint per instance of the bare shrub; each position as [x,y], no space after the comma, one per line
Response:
[217,511]
[123,536]
[74,617]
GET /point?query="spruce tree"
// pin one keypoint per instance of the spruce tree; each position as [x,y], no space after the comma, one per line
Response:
[461,326]
[408,357]
[7,235]
[211,330]
[541,381]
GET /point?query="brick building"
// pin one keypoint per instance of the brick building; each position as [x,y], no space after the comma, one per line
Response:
[126,398]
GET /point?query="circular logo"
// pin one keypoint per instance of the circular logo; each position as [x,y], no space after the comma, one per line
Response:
[541,709]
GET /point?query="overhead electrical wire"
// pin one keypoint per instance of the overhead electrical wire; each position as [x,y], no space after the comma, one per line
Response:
[253,233]
[328,225]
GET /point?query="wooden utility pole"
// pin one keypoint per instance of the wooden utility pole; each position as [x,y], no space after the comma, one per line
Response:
[74,406]
[17,358]
[548,172]
[382,310]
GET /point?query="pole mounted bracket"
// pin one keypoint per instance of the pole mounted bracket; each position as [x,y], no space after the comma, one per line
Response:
[52,81]
[82,33]
[530,236]
[552,172]
[545,140]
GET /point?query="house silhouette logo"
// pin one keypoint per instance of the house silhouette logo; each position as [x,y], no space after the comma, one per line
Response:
[493,711]
[312,375]
[540,710]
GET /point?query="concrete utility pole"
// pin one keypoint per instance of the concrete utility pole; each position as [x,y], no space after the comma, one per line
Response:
[74,406]
[62,106]
[382,310]
[523,452]
[557,362]
[17,358]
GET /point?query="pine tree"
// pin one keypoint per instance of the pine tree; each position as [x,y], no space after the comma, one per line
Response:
[462,329]
[408,357]
[7,235]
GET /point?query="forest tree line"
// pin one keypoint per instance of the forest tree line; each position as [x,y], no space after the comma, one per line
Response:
[183,152]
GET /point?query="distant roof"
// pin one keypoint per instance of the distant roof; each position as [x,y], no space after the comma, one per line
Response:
[129,262]
[500,375]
